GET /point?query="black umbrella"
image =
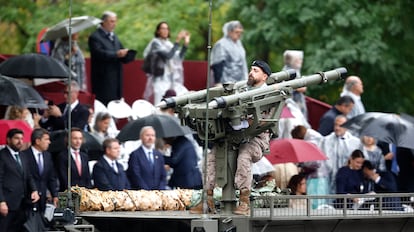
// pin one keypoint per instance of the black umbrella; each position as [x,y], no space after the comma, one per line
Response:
[165,126]
[58,142]
[390,128]
[356,123]
[34,65]
[35,221]
[16,92]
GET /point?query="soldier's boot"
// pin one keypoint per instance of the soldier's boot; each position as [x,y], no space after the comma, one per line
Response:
[244,203]
[198,209]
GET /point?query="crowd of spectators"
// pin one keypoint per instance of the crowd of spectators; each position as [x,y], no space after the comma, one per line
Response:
[353,164]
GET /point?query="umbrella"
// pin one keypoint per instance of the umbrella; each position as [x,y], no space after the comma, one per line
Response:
[58,144]
[34,65]
[16,92]
[165,126]
[78,24]
[286,113]
[6,125]
[356,123]
[35,221]
[407,117]
[293,150]
[390,128]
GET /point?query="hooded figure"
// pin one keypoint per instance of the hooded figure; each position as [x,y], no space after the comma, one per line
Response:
[228,57]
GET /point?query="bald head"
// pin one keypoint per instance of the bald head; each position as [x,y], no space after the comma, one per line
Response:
[354,84]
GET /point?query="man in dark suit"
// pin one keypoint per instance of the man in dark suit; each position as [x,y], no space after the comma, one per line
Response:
[80,174]
[343,106]
[17,187]
[56,117]
[183,160]
[108,174]
[42,168]
[146,165]
[381,182]
[107,56]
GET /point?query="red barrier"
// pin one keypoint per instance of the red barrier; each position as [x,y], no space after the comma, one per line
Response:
[195,75]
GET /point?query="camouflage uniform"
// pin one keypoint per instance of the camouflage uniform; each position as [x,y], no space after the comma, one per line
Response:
[249,153]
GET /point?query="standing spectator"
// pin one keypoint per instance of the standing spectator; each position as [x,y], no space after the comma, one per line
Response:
[343,106]
[183,160]
[389,155]
[146,164]
[297,186]
[338,146]
[108,174]
[405,160]
[107,56]
[41,168]
[17,186]
[80,174]
[77,61]
[228,57]
[354,88]
[373,153]
[56,116]
[317,172]
[293,59]
[172,55]
[14,112]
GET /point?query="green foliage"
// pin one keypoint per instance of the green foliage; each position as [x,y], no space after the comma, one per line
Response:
[136,21]
[372,39]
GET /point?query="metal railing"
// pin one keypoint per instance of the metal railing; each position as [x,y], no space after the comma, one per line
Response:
[307,207]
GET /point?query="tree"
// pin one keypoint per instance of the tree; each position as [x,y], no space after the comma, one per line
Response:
[136,22]
[372,39]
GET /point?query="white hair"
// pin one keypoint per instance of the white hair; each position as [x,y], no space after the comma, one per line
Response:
[107,14]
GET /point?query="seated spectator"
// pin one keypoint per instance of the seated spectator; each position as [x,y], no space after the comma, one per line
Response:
[146,164]
[22,113]
[101,126]
[381,182]
[338,146]
[349,179]
[108,174]
[80,174]
[56,116]
[297,186]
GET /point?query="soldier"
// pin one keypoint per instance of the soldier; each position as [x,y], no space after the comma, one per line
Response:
[249,152]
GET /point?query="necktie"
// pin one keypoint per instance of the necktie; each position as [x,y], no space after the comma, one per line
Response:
[40,163]
[78,163]
[150,159]
[19,162]
[111,36]
[114,166]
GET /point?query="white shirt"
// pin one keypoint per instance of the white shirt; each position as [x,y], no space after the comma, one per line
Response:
[112,163]
[73,105]
[36,155]
[72,152]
